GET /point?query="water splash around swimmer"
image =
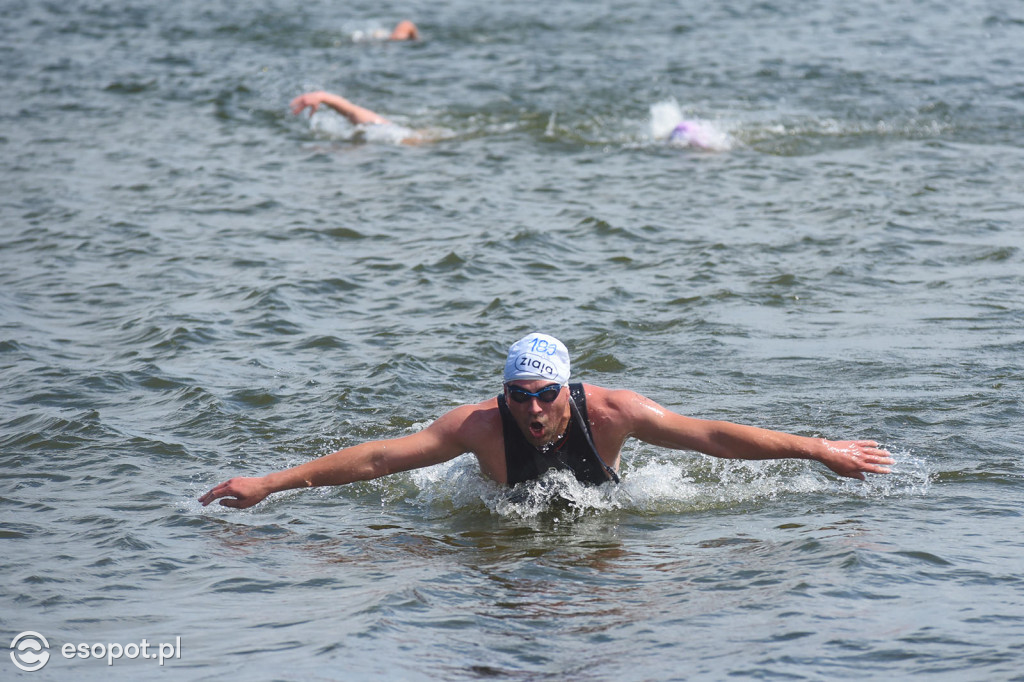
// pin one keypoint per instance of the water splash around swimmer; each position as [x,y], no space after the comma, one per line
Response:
[668,123]
[653,484]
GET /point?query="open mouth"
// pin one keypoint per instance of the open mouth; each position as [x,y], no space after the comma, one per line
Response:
[536,429]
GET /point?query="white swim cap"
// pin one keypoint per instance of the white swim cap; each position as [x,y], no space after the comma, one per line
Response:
[537,356]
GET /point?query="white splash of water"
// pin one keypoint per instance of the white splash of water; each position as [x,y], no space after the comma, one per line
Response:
[369,34]
[676,482]
[670,124]
[664,118]
[330,124]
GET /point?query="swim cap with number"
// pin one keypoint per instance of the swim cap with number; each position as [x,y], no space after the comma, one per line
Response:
[537,356]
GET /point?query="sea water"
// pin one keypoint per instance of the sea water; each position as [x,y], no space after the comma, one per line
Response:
[197,284]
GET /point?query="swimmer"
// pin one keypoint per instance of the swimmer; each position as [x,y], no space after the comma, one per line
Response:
[689,133]
[353,112]
[357,115]
[667,123]
[404,30]
[539,422]
[698,135]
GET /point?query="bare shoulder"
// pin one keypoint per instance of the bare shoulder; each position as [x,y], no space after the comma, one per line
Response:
[615,412]
[619,401]
[469,423]
[476,428]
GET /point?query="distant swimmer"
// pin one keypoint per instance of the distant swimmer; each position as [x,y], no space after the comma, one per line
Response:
[695,134]
[541,422]
[404,30]
[381,127]
[668,123]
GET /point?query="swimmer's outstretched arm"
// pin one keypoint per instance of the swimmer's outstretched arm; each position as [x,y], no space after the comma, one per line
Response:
[353,112]
[654,424]
[444,439]
[359,463]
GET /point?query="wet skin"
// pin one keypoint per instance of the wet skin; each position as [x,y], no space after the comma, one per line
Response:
[542,423]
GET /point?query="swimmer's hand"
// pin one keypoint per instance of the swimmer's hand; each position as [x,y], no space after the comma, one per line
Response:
[240,493]
[854,458]
[313,100]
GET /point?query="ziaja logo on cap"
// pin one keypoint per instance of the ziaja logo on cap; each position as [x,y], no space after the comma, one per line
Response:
[535,364]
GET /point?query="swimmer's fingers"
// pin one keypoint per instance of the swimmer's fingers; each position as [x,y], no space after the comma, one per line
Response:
[221,490]
[212,494]
[872,459]
[872,453]
[303,101]
[853,459]
[239,493]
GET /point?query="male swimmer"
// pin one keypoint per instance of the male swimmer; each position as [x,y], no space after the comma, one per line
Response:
[540,421]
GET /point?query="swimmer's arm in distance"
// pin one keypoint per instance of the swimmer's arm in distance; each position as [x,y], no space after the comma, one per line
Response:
[353,112]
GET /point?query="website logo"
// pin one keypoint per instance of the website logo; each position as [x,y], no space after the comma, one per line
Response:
[30,651]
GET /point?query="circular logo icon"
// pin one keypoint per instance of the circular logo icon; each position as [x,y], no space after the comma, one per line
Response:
[30,651]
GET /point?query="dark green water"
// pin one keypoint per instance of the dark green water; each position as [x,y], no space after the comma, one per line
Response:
[195,284]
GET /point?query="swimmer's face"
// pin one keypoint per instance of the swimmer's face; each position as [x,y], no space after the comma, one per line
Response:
[541,422]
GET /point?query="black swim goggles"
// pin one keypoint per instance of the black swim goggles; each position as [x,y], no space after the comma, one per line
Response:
[545,395]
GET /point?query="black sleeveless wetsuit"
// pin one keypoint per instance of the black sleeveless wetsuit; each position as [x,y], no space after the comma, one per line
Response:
[523,462]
